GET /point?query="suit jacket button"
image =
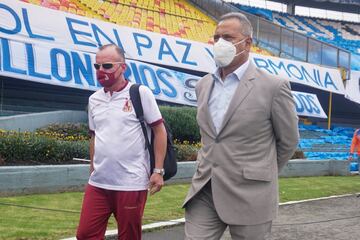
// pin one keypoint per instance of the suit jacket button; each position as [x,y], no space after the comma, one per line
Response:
[217,140]
[215,165]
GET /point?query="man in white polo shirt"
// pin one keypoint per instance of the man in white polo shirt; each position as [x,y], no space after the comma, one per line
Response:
[120,166]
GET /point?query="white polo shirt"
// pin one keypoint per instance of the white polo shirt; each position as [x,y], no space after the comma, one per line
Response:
[121,161]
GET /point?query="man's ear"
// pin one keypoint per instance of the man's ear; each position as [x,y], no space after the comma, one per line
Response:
[248,42]
[124,66]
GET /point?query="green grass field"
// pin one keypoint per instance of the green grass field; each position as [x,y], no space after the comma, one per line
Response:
[55,216]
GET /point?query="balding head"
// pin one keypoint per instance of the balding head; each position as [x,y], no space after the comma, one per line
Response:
[246,28]
[120,52]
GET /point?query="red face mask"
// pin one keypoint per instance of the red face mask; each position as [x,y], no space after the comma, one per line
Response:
[106,79]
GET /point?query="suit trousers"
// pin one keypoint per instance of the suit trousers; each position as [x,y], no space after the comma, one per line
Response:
[202,222]
[99,204]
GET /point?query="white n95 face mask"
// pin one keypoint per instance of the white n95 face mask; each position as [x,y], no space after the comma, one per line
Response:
[225,52]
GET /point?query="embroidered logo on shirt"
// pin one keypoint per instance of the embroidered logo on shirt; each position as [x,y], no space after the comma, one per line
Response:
[127,106]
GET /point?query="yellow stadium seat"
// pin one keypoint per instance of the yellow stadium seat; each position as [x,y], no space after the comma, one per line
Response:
[72,10]
[80,12]
[37,2]
[63,8]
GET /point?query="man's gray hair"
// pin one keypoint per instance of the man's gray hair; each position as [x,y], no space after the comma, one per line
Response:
[247,29]
[119,50]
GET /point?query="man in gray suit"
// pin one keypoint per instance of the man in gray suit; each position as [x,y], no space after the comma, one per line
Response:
[249,131]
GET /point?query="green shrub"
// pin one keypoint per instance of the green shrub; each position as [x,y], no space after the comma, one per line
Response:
[25,148]
[30,148]
[186,152]
[66,150]
[65,131]
[299,154]
[182,122]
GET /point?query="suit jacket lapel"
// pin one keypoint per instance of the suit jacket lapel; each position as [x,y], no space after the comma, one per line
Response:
[240,94]
[209,125]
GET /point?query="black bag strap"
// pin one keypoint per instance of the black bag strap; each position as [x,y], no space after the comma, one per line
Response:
[136,102]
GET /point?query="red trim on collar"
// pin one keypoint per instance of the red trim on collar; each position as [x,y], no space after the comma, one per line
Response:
[119,90]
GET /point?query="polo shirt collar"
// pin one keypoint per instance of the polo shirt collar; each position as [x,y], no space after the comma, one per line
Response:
[119,90]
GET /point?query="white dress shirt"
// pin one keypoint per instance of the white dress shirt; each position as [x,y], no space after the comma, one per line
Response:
[223,92]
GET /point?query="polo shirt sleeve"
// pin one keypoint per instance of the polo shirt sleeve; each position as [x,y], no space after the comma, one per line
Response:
[91,119]
[151,110]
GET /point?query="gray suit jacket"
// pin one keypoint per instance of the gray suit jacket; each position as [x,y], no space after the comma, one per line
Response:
[258,136]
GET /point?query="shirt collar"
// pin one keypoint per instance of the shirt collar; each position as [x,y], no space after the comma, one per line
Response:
[119,90]
[239,72]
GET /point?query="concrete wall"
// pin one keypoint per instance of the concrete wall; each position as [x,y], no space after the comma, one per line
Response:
[42,179]
[307,168]
[32,121]
[50,178]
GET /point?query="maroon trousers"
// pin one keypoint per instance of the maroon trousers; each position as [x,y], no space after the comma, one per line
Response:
[99,204]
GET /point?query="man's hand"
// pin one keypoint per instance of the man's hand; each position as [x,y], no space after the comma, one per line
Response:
[156,183]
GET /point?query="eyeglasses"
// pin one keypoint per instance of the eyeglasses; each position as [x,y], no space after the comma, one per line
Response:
[107,66]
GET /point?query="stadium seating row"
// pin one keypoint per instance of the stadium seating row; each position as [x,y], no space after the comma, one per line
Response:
[171,17]
[340,33]
[343,34]
[318,143]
